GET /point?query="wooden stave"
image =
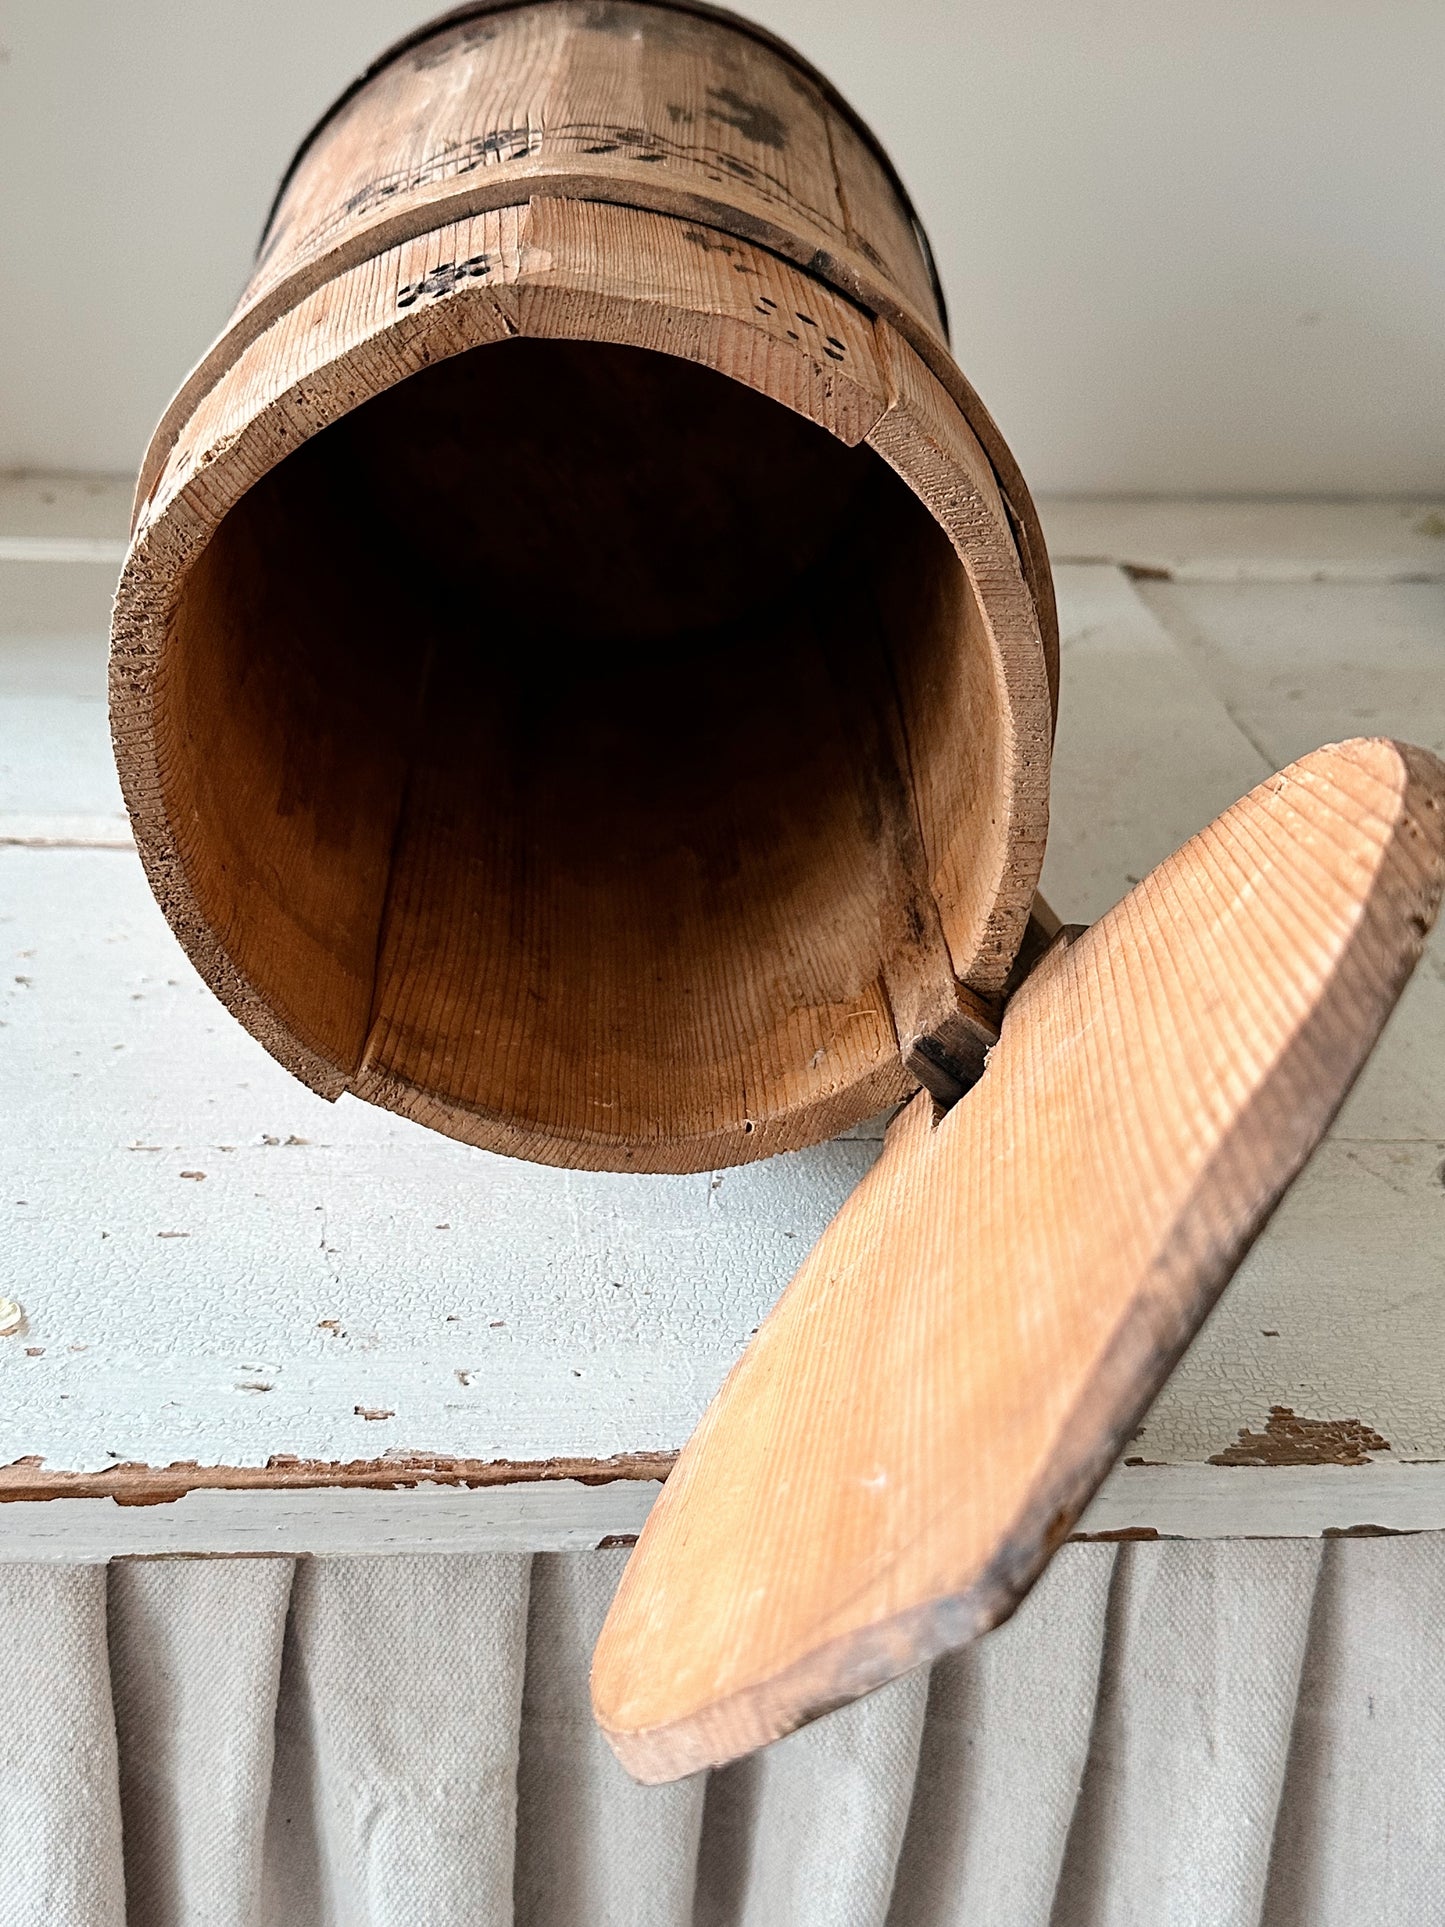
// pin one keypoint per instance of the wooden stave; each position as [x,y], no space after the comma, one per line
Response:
[844,268]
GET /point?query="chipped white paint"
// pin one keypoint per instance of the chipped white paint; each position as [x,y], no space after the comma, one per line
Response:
[1144,756]
[57,782]
[1267,1502]
[545,1515]
[561,1515]
[335,1262]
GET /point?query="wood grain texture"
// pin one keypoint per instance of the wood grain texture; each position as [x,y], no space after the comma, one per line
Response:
[686,112]
[646,1287]
[765,784]
[925,1414]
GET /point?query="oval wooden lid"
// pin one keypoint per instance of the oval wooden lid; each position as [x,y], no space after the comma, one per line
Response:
[925,1413]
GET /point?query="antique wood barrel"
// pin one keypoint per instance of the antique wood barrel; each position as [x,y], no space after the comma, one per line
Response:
[583,676]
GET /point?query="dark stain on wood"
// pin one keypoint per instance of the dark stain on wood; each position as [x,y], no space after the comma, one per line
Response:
[1288,1439]
[444,279]
[750,118]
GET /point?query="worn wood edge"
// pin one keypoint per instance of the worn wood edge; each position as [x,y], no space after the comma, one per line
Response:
[860,1662]
[822,258]
[595,1150]
[923,437]
[314,393]
[817,255]
[1148,1342]
[134,1483]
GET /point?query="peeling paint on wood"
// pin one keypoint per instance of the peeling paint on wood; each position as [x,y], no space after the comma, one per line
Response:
[132,1484]
[1288,1439]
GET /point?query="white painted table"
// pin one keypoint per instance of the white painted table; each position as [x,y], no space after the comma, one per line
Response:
[299,1327]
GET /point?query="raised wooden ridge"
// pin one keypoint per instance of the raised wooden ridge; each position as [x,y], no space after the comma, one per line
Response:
[470,151]
[723,16]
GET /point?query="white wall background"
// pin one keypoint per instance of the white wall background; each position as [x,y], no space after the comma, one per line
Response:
[1188,247]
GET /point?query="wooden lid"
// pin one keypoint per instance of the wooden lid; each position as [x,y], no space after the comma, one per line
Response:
[936,1396]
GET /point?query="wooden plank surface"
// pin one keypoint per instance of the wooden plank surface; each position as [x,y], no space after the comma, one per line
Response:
[649,1286]
[1251,541]
[562,1515]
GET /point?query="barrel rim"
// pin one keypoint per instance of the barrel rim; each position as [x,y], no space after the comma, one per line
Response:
[702,9]
[167,545]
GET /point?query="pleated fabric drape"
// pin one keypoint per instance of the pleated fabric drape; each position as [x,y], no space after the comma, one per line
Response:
[1190,1734]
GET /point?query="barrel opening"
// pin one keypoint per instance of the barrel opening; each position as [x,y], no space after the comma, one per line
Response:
[562,738]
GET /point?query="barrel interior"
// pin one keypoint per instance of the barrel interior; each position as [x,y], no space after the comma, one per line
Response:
[537,739]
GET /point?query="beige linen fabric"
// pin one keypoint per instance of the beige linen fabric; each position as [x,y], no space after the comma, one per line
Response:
[60,1851]
[592,1845]
[1202,1654]
[1004,1746]
[1243,1734]
[809,1830]
[1361,1831]
[395,1793]
[195,1660]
